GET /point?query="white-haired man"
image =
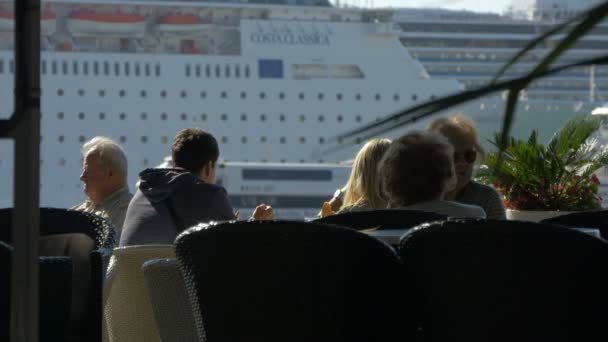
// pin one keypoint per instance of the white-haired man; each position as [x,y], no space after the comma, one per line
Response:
[104,174]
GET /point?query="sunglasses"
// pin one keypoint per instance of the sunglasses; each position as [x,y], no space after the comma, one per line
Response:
[468,156]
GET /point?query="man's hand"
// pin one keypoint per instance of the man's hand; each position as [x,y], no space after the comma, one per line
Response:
[262,212]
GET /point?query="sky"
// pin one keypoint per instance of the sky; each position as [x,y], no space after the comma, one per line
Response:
[496,6]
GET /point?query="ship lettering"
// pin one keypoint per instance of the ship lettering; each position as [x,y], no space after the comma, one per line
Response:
[288,38]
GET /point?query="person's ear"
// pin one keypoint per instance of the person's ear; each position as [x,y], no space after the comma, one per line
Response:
[208,169]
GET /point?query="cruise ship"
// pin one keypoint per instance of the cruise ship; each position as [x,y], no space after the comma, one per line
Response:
[274,81]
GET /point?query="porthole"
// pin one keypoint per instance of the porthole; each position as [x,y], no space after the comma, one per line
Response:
[358,97]
[262,95]
[283,160]
[144,139]
[321,140]
[282,140]
[396,97]
[243,140]
[143,116]
[203,117]
[122,116]
[377,97]
[263,117]
[163,93]
[81,139]
[145,162]
[414,97]
[243,117]
[163,116]
[80,92]
[301,96]
[339,97]
[184,116]
[302,118]
[143,93]
[203,94]
[263,139]
[61,162]
[121,93]
[321,118]
[224,140]
[302,140]
[339,118]
[282,117]
[281,95]
[101,93]
[102,116]
[320,96]
[183,94]
[224,117]
[243,95]
[164,140]
[223,95]
[81,116]
[358,118]
[59,92]
[61,138]
[60,115]
[123,139]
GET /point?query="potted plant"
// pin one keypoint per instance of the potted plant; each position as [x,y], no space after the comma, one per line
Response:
[539,181]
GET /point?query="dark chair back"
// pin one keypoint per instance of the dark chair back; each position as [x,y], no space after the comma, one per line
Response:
[382,218]
[507,281]
[58,221]
[584,219]
[55,279]
[293,281]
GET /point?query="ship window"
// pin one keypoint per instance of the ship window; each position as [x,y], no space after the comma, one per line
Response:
[184,117]
[198,70]
[116,69]
[262,95]
[339,118]
[187,70]
[123,139]
[144,139]
[282,117]
[60,115]
[54,67]
[396,97]
[64,67]
[183,94]
[85,68]
[237,71]
[207,71]
[164,140]
[224,117]
[102,116]
[224,140]
[102,93]
[121,93]
[281,95]
[227,71]
[61,138]
[243,117]
[377,97]
[11,66]
[203,94]
[203,117]
[263,139]
[127,68]
[95,68]
[81,116]
[302,118]
[247,71]
[321,118]
[414,97]
[43,66]
[321,140]
[147,69]
[282,140]
[143,93]
[81,138]
[60,92]
[243,140]
[157,69]
[1,66]
[302,140]
[243,95]
[358,118]
[163,116]
[301,96]
[80,92]
[163,93]
[320,96]
[339,97]
[217,71]
[137,70]
[223,95]
[106,68]
[144,116]
[122,116]
[358,97]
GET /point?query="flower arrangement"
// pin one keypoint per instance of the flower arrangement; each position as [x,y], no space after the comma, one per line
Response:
[558,176]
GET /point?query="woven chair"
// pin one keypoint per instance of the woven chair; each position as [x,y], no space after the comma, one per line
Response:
[128,313]
[66,225]
[507,281]
[584,219]
[55,279]
[293,281]
[382,218]
[170,302]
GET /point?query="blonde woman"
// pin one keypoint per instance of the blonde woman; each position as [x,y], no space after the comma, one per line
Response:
[363,190]
[462,134]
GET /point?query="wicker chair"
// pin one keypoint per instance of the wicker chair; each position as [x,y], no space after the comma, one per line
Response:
[507,281]
[67,223]
[55,279]
[584,219]
[293,281]
[128,313]
[382,218]
[170,302]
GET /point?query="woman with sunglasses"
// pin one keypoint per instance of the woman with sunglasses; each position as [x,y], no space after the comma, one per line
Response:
[462,134]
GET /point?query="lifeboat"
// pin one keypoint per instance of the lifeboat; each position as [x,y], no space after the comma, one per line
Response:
[90,23]
[182,23]
[47,21]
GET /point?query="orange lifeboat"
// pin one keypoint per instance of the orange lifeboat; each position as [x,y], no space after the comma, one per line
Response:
[182,23]
[91,23]
[47,21]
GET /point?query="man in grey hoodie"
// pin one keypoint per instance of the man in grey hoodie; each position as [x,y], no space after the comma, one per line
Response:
[173,199]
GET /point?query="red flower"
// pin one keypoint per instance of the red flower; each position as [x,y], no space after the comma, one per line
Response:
[594,179]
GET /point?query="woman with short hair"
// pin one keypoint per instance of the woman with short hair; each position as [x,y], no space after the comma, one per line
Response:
[461,133]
